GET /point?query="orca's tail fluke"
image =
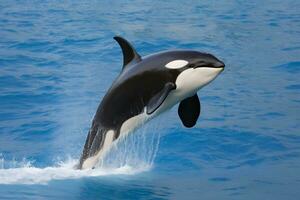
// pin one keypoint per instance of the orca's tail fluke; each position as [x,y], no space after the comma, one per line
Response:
[96,144]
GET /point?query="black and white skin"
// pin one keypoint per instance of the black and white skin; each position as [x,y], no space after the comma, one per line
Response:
[146,87]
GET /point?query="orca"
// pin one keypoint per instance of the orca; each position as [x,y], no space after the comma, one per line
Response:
[146,87]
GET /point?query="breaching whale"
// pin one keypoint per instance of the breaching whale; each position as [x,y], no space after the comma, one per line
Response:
[145,88]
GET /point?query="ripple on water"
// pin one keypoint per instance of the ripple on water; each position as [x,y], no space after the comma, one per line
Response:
[291,67]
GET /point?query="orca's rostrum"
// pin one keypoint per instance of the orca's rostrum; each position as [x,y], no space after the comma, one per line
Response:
[145,88]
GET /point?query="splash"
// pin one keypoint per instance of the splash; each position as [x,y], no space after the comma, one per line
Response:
[29,174]
[138,149]
[134,154]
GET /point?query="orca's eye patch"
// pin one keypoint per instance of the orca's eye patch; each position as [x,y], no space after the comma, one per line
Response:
[176,64]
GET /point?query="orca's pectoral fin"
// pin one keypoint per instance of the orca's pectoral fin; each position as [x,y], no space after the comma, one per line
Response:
[189,111]
[129,53]
[159,98]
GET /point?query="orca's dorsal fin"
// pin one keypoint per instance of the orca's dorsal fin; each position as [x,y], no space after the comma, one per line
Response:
[129,53]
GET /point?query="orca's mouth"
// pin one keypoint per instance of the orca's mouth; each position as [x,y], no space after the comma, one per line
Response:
[219,64]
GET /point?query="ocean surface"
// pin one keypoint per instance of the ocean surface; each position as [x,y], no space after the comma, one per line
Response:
[58,58]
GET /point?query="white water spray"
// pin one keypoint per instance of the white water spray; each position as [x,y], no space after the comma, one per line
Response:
[137,149]
[133,154]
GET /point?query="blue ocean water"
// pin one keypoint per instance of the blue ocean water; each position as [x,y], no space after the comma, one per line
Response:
[57,59]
